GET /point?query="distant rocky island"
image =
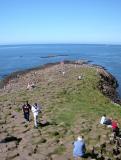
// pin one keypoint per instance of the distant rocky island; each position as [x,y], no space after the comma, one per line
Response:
[53,55]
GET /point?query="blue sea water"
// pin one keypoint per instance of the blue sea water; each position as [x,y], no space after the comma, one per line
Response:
[20,57]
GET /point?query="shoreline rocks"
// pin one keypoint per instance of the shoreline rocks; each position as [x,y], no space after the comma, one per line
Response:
[108,85]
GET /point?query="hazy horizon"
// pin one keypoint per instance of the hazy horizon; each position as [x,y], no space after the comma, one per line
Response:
[12,44]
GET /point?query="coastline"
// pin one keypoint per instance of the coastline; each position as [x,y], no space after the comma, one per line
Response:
[13,75]
[67,103]
[108,83]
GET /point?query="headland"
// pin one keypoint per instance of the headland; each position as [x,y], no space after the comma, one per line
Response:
[71,105]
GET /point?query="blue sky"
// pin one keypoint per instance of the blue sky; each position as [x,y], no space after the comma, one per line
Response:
[60,21]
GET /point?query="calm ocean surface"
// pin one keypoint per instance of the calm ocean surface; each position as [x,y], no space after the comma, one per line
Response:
[20,57]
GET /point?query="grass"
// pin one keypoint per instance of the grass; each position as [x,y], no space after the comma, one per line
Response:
[74,105]
[18,109]
[59,150]
[70,99]
[74,92]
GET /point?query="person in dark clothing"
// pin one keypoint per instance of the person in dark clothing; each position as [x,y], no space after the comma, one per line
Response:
[108,121]
[26,110]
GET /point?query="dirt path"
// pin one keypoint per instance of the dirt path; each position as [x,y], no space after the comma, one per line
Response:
[54,140]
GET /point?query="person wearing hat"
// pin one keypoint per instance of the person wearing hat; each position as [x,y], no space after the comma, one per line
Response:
[36,109]
[79,148]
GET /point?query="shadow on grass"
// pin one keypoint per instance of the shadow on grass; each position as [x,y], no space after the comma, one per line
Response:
[46,123]
[95,156]
[10,139]
[91,155]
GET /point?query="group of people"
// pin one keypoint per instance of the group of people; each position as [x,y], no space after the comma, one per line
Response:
[110,123]
[79,147]
[36,109]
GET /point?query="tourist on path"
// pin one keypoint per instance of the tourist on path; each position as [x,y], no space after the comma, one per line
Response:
[36,109]
[79,148]
[26,110]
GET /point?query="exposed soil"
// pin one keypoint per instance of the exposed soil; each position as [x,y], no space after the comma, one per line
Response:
[19,140]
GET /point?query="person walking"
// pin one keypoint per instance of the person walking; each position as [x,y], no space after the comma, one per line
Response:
[36,109]
[79,148]
[26,110]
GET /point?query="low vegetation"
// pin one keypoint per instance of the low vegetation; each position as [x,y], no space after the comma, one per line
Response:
[72,107]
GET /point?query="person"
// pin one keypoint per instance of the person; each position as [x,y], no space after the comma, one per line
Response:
[63,73]
[30,86]
[103,119]
[115,127]
[36,109]
[108,122]
[26,110]
[79,77]
[62,63]
[79,148]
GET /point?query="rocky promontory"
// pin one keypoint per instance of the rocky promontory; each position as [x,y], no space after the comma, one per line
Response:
[74,96]
[108,85]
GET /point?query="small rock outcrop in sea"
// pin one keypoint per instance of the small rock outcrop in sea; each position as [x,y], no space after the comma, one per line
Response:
[108,85]
[54,55]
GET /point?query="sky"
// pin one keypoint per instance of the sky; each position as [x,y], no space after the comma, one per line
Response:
[60,21]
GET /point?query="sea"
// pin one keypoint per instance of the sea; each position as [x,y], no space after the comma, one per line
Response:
[20,57]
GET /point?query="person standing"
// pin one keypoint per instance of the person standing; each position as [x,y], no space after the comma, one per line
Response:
[36,109]
[79,148]
[26,110]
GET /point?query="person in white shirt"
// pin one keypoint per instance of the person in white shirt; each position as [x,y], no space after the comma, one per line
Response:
[79,77]
[36,109]
[103,119]
[63,73]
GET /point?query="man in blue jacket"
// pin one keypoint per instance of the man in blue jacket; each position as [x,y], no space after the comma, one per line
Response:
[79,148]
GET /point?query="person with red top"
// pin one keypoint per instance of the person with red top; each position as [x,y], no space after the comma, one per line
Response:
[115,127]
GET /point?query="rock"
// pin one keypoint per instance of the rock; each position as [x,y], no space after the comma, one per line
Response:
[43,140]
[12,156]
[56,133]
[108,85]
[13,116]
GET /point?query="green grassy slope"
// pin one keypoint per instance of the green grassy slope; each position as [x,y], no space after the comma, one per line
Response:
[74,106]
